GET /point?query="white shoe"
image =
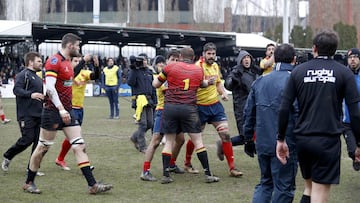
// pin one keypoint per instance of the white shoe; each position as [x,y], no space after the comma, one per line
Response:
[5,121]
[40,173]
[5,164]
[37,173]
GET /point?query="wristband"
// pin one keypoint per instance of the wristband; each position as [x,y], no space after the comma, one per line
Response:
[62,112]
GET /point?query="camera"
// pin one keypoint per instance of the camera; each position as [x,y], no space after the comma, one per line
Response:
[139,62]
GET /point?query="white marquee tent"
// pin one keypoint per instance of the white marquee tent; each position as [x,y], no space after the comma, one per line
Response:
[251,40]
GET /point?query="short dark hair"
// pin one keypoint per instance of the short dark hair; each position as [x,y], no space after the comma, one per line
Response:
[174,53]
[284,53]
[326,42]
[209,46]
[270,45]
[69,38]
[187,53]
[30,56]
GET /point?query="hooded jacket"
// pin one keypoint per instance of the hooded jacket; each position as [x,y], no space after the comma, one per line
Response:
[239,82]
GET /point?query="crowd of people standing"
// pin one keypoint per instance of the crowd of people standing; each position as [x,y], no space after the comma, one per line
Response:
[279,107]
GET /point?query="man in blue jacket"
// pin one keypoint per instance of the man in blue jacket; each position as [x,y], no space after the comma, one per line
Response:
[354,65]
[277,182]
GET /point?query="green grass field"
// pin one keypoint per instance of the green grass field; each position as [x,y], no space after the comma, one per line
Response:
[117,162]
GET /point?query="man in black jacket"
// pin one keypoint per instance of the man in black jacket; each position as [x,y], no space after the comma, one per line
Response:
[140,80]
[239,82]
[28,90]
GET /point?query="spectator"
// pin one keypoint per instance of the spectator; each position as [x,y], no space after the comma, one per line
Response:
[111,80]
[239,82]
[353,61]
[4,120]
[267,63]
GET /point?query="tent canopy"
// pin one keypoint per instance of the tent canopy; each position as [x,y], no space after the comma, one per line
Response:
[250,40]
[12,32]
[15,28]
[122,36]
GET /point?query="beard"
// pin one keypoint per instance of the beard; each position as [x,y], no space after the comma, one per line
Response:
[37,68]
[209,61]
[74,53]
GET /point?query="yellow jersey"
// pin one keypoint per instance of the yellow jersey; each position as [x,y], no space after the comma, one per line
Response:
[262,66]
[160,96]
[78,88]
[209,95]
[40,74]
[111,77]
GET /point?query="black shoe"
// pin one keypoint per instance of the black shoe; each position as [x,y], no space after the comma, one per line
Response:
[176,169]
[356,165]
[166,180]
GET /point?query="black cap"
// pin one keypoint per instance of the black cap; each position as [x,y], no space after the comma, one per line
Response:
[143,55]
[353,51]
[140,58]
[159,59]
[132,59]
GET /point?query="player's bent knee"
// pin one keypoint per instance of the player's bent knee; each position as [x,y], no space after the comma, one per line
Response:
[78,143]
[223,129]
[44,145]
